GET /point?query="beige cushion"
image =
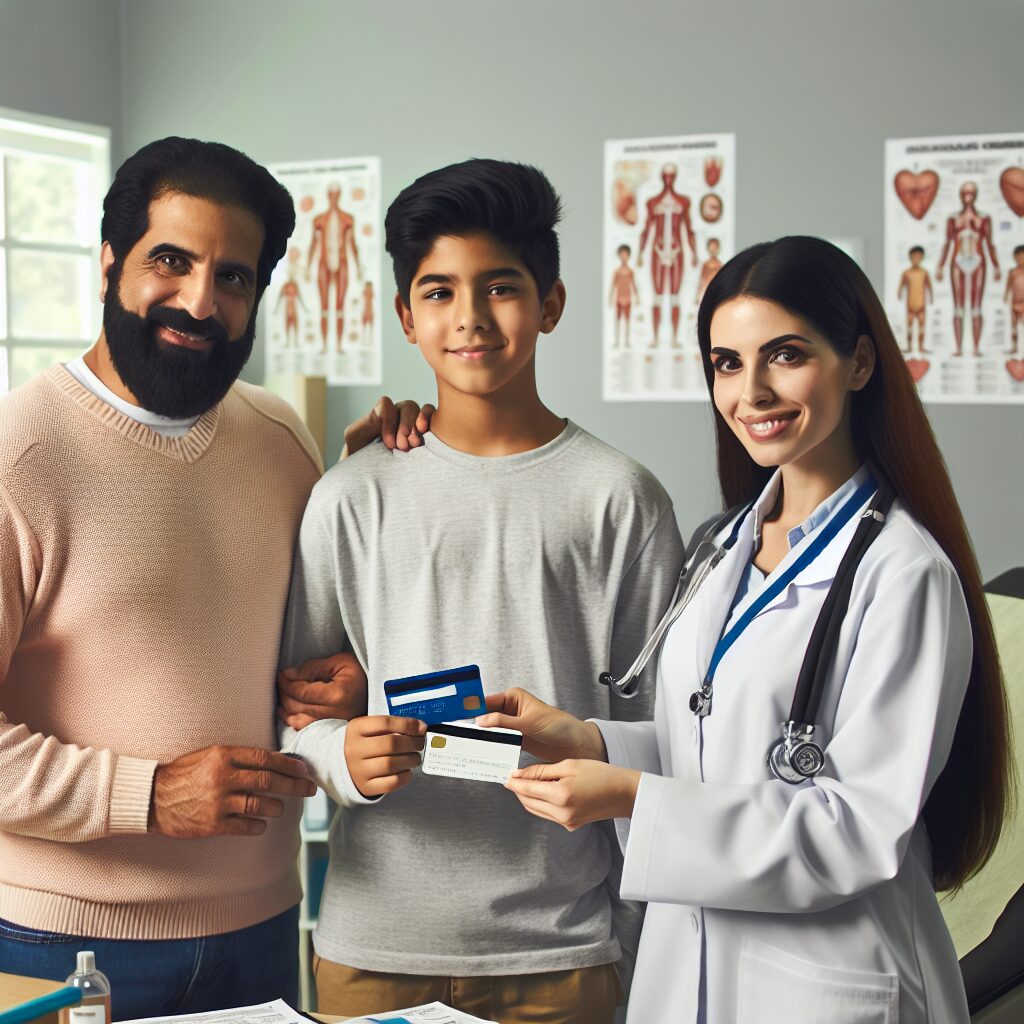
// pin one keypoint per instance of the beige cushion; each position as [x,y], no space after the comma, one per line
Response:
[971,914]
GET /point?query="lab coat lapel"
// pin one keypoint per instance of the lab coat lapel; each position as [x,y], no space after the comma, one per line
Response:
[718,591]
[821,571]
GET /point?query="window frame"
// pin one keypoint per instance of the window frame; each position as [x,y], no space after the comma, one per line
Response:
[88,146]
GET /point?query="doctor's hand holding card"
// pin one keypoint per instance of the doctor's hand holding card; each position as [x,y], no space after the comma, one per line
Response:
[548,733]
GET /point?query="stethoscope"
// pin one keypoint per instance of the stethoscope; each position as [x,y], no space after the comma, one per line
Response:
[795,756]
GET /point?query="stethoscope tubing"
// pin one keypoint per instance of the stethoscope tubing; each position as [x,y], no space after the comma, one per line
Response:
[821,648]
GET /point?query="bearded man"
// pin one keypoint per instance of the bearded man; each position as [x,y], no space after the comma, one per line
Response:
[149,504]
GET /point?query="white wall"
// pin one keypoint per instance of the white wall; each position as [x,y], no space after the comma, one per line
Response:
[811,88]
[62,58]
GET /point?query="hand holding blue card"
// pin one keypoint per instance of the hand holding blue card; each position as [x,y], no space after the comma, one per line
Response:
[446,696]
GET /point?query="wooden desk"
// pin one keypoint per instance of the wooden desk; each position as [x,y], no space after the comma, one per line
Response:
[15,989]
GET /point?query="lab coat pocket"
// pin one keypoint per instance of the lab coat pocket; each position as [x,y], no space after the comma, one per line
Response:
[773,986]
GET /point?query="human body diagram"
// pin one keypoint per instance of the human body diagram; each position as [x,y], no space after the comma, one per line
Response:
[916,282]
[291,295]
[711,266]
[668,215]
[623,294]
[968,236]
[334,239]
[1014,295]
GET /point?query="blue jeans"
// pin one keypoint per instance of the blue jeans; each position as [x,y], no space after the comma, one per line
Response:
[149,978]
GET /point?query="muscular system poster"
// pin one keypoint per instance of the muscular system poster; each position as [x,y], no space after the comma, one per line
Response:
[954,263]
[322,308]
[669,225]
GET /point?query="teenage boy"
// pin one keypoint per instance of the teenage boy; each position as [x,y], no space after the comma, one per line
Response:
[510,539]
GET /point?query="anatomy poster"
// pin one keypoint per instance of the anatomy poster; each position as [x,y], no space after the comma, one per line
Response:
[669,225]
[322,308]
[954,263]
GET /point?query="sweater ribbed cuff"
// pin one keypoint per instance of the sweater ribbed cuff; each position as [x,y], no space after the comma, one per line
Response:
[130,795]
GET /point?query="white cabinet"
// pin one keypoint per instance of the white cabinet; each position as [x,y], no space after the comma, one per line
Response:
[316,818]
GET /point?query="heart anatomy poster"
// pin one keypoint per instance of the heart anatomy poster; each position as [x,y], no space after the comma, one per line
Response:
[322,308]
[954,263]
[669,225]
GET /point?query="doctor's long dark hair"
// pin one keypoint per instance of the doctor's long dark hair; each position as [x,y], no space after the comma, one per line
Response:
[819,283]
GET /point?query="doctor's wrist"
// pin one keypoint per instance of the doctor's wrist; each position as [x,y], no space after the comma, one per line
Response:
[591,744]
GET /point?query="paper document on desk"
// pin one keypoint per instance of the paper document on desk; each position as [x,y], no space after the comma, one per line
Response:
[277,1012]
[428,1013]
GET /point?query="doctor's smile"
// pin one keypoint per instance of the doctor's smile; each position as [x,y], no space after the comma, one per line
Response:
[767,428]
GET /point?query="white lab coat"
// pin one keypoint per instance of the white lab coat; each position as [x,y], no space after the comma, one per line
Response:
[778,904]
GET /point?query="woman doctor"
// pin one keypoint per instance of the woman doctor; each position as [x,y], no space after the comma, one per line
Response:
[771,902]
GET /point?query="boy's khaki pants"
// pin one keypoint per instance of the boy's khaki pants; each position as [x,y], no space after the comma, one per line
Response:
[587,995]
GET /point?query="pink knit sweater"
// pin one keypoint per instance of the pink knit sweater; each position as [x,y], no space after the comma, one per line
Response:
[142,592]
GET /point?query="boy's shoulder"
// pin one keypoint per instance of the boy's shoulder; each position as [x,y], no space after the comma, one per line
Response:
[609,470]
[367,467]
[588,470]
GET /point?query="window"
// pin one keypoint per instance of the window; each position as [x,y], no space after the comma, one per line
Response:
[53,175]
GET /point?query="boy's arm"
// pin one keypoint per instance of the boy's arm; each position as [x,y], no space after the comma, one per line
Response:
[644,594]
[903,285]
[313,628]
[928,286]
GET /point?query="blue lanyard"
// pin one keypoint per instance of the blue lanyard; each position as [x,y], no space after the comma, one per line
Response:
[815,548]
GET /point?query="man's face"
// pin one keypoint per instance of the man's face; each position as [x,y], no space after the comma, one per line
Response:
[179,313]
[968,194]
[475,314]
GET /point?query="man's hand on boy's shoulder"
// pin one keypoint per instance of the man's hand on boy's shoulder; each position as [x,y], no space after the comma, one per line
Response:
[400,426]
[319,688]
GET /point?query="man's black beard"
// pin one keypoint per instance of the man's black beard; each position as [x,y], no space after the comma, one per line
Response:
[172,380]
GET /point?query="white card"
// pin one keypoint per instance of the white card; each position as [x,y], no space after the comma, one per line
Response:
[462,750]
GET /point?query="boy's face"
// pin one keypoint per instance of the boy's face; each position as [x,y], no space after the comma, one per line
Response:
[475,313]
[1019,258]
[915,258]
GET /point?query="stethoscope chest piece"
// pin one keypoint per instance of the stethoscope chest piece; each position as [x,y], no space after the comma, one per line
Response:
[795,757]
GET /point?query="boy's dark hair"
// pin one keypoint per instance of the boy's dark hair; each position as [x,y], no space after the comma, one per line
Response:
[512,202]
[205,170]
[1018,249]
[624,248]
[916,248]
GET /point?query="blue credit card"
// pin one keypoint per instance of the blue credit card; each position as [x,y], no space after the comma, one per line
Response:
[437,696]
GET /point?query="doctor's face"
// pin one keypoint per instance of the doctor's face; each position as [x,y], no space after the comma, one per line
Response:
[781,386]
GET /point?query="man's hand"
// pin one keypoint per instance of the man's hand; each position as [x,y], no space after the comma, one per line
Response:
[381,752]
[575,793]
[548,733]
[333,687]
[224,791]
[399,426]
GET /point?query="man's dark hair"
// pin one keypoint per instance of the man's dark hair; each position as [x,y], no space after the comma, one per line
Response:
[514,203]
[916,248]
[205,170]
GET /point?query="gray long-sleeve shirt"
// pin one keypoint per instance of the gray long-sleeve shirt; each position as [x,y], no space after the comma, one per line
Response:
[544,568]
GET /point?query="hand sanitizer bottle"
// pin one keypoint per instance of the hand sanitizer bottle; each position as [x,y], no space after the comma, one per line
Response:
[95,1005]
